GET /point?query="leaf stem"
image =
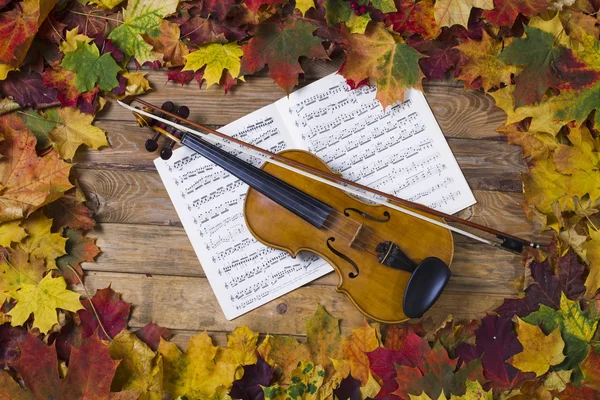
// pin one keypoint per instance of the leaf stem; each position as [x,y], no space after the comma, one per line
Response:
[96,16]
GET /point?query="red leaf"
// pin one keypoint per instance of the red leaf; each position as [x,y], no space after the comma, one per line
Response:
[254,5]
[62,80]
[218,8]
[579,393]
[113,313]
[280,46]
[91,21]
[68,211]
[175,74]
[200,30]
[441,57]
[545,289]
[52,30]
[570,275]
[151,334]
[79,249]
[16,26]
[396,335]
[27,88]
[571,74]
[505,12]
[38,368]
[10,341]
[413,18]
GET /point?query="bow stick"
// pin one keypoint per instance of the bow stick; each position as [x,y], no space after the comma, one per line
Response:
[508,242]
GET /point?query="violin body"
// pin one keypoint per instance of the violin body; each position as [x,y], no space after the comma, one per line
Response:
[350,239]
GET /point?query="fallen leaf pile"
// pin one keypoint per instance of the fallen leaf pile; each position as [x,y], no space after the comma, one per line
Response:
[62,60]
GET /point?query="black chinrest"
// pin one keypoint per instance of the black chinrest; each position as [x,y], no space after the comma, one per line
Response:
[425,286]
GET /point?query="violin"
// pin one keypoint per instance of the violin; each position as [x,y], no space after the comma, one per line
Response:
[392,256]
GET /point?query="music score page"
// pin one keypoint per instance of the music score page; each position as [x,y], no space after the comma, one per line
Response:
[400,150]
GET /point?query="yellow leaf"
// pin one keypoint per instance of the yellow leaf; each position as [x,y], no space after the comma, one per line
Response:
[557,380]
[200,371]
[540,352]
[136,84]
[217,57]
[580,156]
[71,39]
[41,242]
[140,369]
[424,396]
[553,26]
[361,341]
[304,5]
[108,4]
[241,346]
[169,44]
[592,255]
[452,12]
[17,270]
[283,352]
[42,299]
[370,389]
[474,392]
[10,232]
[307,378]
[74,128]
[358,23]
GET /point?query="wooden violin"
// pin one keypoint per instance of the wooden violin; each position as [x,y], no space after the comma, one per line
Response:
[392,257]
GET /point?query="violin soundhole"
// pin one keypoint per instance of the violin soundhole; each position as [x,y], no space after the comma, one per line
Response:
[363,214]
[343,257]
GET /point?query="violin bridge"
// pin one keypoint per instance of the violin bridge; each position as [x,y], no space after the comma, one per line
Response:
[358,232]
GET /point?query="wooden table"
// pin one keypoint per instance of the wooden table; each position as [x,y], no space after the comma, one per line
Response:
[147,256]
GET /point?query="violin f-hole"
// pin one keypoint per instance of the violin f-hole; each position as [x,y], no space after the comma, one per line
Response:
[368,216]
[343,257]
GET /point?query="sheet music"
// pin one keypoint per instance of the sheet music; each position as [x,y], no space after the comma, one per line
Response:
[242,272]
[400,151]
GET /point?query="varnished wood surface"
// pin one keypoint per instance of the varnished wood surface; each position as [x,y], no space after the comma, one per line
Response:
[147,256]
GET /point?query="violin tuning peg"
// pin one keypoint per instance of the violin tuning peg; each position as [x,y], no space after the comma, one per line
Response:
[151,145]
[168,106]
[183,111]
[166,153]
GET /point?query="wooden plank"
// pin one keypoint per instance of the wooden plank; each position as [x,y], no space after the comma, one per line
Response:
[488,166]
[460,113]
[157,250]
[188,303]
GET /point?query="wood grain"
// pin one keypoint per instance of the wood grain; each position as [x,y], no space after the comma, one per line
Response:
[459,113]
[188,303]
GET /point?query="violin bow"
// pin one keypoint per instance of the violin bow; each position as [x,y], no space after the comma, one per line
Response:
[507,242]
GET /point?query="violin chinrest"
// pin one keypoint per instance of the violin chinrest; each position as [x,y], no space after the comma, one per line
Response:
[425,286]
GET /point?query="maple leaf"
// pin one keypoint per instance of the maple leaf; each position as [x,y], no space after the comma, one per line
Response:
[324,339]
[71,40]
[136,83]
[579,23]
[505,12]
[535,145]
[168,43]
[540,352]
[63,80]
[545,289]
[41,242]
[557,380]
[69,211]
[79,249]
[91,20]
[284,353]
[91,68]
[42,299]
[414,18]
[140,369]
[217,58]
[248,387]
[219,8]
[451,334]
[112,312]
[483,63]
[537,53]
[440,57]
[307,378]
[280,46]
[27,181]
[590,367]
[384,57]
[396,335]
[254,5]
[576,327]
[16,25]
[203,368]
[16,270]
[200,30]
[108,4]
[592,254]
[495,342]
[10,343]
[362,340]
[579,393]
[151,334]
[141,17]
[27,88]
[11,232]
[451,12]
[305,5]
[337,11]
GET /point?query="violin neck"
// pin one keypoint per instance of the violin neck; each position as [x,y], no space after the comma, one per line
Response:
[303,205]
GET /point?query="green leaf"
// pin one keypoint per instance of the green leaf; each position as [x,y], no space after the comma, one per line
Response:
[91,68]
[141,17]
[577,328]
[40,126]
[337,11]
[307,378]
[385,6]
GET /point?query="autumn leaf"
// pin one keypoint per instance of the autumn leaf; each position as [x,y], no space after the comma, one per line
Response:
[307,378]
[592,254]
[279,46]
[112,314]
[139,370]
[457,12]
[72,37]
[254,5]
[151,334]
[10,344]
[42,299]
[535,145]
[414,18]
[16,26]
[218,8]
[540,352]
[484,63]
[576,327]
[474,392]
[384,57]
[217,58]
[91,68]
[250,385]
[108,4]
[362,340]
[505,12]
[11,232]
[284,353]
[141,17]
[41,242]
[590,367]
[168,43]
[16,270]
[69,211]
[304,5]
[324,339]
[452,334]
[27,88]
